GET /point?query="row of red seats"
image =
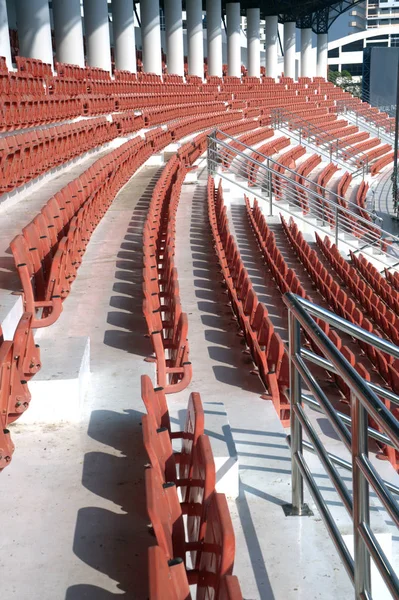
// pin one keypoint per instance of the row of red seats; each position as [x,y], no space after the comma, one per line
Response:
[379,283]
[265,345]
[49,251]
[167,324]
[300,189]
[384,317]
[26,156]
[197,523]
[19,362]
[392,278]
[258,156]
[382,162]
[286,160]
[346,308]
[254,137]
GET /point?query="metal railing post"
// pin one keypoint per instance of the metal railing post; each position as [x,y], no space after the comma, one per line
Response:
[269,187]
[295,425]
[336,224]
[211,152]
[361,507]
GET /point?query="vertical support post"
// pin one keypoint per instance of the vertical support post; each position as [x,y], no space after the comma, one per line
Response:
[361,507]
[395,149]
[233,39]
[5,48]
[68,32]
[306,52]
[174,37]
[336,223]
[253,41]
[98,42]
[295,425]
[289,49]
[270,188]
[271,46]
[195,38]
[151,36]
[34,30]
[124,35]
[214,37]
[322,55]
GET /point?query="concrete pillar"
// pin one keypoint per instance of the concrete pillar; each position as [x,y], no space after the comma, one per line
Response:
[306,52]
[124,36]
[34,30]
[98,44]
[289,49]
[195,37]
[151,36]
[214,37]
[68,32]
[174,37]
[233,39]
[271,46]
[5,48]
[322,55]
[253,42]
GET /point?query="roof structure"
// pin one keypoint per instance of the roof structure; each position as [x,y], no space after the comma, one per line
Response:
[317,14]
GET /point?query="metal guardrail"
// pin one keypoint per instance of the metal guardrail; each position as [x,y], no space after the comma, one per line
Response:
[355,162]
[325,207]
[385,132]
[364,404]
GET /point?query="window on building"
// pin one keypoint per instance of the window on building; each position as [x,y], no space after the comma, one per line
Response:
[355,69]
[333,53]
[377,44]
[333,67]
[353,46]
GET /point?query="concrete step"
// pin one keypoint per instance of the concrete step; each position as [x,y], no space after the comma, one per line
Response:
[58,390]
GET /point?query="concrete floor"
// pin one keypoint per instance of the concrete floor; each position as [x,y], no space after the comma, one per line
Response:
[76,525]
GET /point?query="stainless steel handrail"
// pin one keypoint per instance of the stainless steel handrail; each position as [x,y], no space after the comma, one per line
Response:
[357,162]
[364,403]
[325,207]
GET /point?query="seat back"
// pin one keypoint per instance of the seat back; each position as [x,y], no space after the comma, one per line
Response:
[167,578]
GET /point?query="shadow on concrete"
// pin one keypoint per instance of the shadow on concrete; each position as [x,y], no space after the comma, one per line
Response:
[128,326]
[112,537]
[222,334]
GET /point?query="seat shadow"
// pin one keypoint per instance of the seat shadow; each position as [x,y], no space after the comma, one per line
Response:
[128,326]
[111,536]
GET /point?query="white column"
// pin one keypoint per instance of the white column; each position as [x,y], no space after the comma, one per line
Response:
[233,39]
[5,48]
[253,42]
[151,36]
[34,30]
[98,44]
[306,52]
[289,49]
[214,37]
[174,37]
[271,46]
[124,36]
[68,32]
[322,55]
[195,38]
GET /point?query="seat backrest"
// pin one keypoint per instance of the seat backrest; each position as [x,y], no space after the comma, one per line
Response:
[164,511]
[217,558]
[155,402]
[167,578]
[159,449]
[230,588]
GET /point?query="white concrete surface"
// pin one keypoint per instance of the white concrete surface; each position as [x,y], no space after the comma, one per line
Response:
[5,48]
[174,37]
[195,44]
[233,39]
